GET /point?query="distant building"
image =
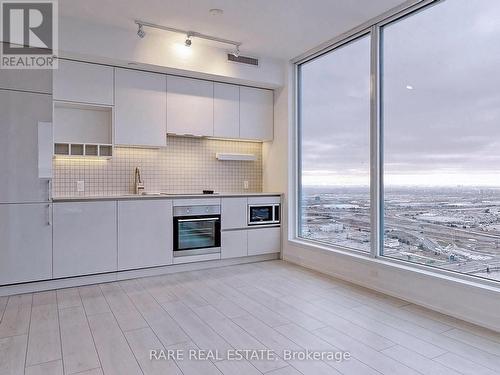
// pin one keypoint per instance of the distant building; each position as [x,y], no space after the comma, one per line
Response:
[391,243]
[332,227]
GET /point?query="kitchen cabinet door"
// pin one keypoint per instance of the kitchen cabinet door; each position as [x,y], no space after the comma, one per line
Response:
[226,111]
[25,242]
[190,106]
[34,80]
[140,108]
[144,233]
[234,213]
[256,114]
[264,241]
[234,244]
[20,115]
[83,82]
[85,238]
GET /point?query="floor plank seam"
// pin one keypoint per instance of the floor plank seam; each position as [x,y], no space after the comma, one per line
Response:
[28,335]
[149,326]
[60,334]
[90,330]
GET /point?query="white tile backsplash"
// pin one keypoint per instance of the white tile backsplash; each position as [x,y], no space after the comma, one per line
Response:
[186,165]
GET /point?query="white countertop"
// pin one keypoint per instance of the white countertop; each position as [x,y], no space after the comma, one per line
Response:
[159,196]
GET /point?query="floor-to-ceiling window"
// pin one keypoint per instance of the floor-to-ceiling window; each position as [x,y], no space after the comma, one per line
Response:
[437,109]
[334,202]
[441,123]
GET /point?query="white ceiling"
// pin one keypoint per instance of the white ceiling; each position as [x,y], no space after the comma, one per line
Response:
[267,28]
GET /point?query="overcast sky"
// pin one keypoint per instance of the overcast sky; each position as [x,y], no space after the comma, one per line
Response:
[441,102]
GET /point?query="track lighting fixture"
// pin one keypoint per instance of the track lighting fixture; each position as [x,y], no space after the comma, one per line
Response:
[236,52]
[189,35]
[140,32]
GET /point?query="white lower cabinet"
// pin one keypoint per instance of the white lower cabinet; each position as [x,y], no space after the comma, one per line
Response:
[25,242]
[264,241]
[144,233]
[234,213]
[85,238]
[234,244]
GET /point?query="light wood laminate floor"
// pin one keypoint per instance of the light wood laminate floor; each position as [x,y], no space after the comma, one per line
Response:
[110,328]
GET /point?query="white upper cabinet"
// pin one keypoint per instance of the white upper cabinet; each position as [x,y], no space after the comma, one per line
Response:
[33,80]
[226,111]
[140,108]
[190,106]
[256,114]
[83,82]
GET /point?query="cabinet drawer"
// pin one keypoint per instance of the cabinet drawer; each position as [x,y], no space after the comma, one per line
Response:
[234,244]
[264,241]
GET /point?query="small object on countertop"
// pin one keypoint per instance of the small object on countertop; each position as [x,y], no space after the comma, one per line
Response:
[208,191]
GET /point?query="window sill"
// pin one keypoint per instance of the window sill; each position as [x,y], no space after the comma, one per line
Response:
[361,257]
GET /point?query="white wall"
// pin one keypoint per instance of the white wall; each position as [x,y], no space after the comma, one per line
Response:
[162,51]
[465,300]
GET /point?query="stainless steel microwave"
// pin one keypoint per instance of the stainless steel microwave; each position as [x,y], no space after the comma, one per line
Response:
[264,214]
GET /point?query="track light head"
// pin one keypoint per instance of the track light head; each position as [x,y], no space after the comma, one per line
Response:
[140,32]
[236,52]
[188,41]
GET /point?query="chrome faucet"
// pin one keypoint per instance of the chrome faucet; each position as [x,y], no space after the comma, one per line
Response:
[139,185]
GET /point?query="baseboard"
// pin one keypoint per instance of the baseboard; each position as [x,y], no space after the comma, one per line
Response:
[39,286]
[453,312]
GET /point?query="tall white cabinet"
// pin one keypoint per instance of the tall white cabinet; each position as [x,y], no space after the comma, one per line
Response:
[190,106]
[140,108]
[25,207]
[25,242]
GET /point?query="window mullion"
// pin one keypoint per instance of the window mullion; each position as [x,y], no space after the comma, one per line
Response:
[376,213]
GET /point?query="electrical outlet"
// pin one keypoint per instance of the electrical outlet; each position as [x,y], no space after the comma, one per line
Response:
[80,186]
[245,184]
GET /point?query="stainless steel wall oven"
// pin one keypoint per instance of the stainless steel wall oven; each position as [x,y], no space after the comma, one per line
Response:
[197,230]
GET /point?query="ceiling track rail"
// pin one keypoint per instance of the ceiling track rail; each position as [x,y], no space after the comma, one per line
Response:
[188,33]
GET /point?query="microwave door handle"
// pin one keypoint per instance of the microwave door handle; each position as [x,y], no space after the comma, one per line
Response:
[203,219]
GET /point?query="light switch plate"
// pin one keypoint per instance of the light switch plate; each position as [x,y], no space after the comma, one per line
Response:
[245,184]
[80,186]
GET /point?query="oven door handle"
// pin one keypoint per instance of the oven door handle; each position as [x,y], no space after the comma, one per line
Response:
[203,219]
